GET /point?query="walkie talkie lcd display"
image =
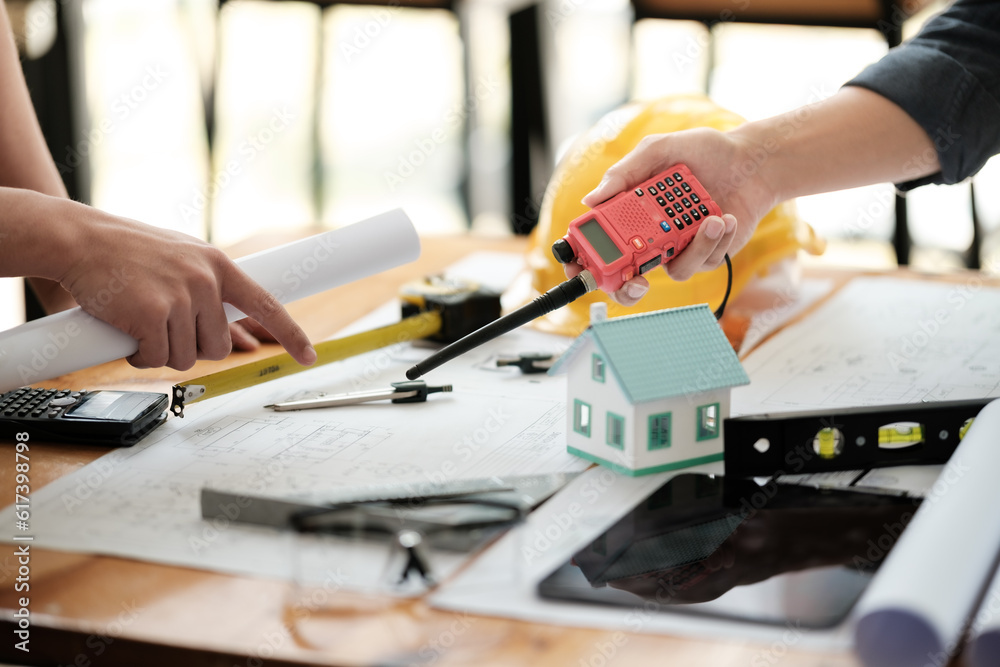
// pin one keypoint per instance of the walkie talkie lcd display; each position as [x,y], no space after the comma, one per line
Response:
[636,231]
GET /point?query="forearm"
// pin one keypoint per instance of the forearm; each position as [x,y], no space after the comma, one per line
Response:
[25,162]
[33,240]
[854,138]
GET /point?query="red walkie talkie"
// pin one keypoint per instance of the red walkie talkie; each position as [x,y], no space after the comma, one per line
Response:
[638,230]
[615,241]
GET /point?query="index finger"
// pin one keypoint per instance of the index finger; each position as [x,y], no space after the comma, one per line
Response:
[242,292]
[642,162]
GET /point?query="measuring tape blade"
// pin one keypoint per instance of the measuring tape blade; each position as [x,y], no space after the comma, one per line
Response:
[846,438]
[223,382]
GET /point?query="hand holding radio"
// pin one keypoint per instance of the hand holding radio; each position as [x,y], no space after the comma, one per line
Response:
[605,248]
[726,165]
[638,230]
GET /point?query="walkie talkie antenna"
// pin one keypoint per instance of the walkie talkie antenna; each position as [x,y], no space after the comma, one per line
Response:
[557,297]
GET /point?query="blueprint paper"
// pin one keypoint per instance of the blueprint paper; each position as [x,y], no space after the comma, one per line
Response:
[880,341]
[143,502]
[788,306]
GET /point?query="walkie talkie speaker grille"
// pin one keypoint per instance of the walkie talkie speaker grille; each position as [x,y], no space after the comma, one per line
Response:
[630,214]
[779,236]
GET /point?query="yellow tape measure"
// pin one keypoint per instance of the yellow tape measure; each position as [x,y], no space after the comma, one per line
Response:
[223,382]
[438,308]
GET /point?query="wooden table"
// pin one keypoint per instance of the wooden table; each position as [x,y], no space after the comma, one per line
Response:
[98,610]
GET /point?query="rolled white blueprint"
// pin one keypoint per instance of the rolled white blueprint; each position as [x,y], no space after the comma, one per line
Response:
[920,602]
[983,644]
[73,339]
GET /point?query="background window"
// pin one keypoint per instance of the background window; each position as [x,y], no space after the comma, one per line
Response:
[581,417]
[616,431]
[659,431]
[708,422]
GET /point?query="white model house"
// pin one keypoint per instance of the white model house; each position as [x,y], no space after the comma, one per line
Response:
[648,392]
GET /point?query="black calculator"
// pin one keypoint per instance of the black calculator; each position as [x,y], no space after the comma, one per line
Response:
[110,418]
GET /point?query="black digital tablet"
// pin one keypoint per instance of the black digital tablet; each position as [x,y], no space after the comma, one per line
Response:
[736,549]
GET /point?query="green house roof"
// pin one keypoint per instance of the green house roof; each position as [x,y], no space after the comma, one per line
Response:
[663,354]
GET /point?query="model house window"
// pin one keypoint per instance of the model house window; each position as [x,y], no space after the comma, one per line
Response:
[659,431]
[597,368]
[581,417]
[708,422]
[616,431]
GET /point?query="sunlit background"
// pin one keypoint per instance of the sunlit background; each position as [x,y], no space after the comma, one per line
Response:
[327,117]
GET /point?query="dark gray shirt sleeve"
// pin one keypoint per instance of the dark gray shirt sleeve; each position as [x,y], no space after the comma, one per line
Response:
[947,78]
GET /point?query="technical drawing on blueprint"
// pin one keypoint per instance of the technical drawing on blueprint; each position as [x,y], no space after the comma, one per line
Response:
[144,502]
[881,341]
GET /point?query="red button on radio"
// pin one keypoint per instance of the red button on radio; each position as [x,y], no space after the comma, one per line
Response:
[637,242]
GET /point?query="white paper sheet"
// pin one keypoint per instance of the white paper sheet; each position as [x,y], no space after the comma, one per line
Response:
[73,339]
[880,341]
[786,308]
[143,502]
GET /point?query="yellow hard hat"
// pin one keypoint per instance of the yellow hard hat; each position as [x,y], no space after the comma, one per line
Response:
[779,235]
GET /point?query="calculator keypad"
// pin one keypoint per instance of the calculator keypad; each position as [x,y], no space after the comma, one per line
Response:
[37,403]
